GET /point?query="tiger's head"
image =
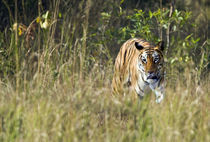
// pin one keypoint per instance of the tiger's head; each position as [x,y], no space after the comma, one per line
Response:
[150,61]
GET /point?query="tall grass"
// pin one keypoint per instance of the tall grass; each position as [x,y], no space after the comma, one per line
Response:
[65,95]
[72,110]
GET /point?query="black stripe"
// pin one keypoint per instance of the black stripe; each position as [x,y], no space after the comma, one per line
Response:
[144,80]
[140,89]
[160,53]
[129,50]
[140,95]
[160,79]
[125,56]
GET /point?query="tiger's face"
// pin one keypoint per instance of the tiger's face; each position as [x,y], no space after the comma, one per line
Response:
[150,62]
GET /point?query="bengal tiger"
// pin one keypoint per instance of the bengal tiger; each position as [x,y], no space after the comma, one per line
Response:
[139,64]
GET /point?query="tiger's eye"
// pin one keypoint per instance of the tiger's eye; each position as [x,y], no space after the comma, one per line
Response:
[156,59]
[143,60]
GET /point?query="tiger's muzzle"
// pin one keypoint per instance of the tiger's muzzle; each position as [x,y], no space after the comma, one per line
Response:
[152,77]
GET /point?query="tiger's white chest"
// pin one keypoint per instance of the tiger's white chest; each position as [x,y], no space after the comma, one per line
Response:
[156,87]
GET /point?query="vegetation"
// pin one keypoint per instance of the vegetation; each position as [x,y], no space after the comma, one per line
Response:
[56,67]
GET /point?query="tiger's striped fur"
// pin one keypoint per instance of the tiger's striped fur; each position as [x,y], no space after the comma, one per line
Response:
[139,64]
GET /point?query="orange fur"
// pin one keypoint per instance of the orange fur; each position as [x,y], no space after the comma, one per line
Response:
[126,72]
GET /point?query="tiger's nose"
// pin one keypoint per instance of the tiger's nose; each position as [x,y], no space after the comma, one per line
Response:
[150,72]
[151,75]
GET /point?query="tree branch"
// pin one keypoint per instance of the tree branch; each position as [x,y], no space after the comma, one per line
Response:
[168,28]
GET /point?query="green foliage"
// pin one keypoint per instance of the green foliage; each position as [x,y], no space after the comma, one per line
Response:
[153,26]
[139,26]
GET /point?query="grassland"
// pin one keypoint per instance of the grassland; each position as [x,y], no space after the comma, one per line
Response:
[56,72]
[84,110]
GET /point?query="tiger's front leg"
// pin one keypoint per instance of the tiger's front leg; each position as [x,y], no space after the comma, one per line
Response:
[159,93]
[139,92]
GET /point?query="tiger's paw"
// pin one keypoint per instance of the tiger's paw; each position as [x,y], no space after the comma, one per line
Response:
[159,99]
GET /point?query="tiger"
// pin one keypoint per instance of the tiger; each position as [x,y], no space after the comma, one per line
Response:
[139,65]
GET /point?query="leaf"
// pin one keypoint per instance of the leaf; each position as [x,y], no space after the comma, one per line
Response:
[45,16]
[174,28]
[105,15]
[165,26]
[180,18]
[38,19]
[183,44]
[120,10]
[20,31]
[188,36]
[197,40]
[150,14]
[173,60]
[121,1]
[45,25]
[59,15]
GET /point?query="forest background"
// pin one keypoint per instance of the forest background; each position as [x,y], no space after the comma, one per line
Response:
[56,67]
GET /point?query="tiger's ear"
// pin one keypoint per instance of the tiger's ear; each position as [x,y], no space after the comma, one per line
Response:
[138,46]
[160,45]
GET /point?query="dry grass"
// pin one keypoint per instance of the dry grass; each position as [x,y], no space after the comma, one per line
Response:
[85,111]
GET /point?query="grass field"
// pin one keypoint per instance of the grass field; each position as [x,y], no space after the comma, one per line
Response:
[77,109]
[56,72]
